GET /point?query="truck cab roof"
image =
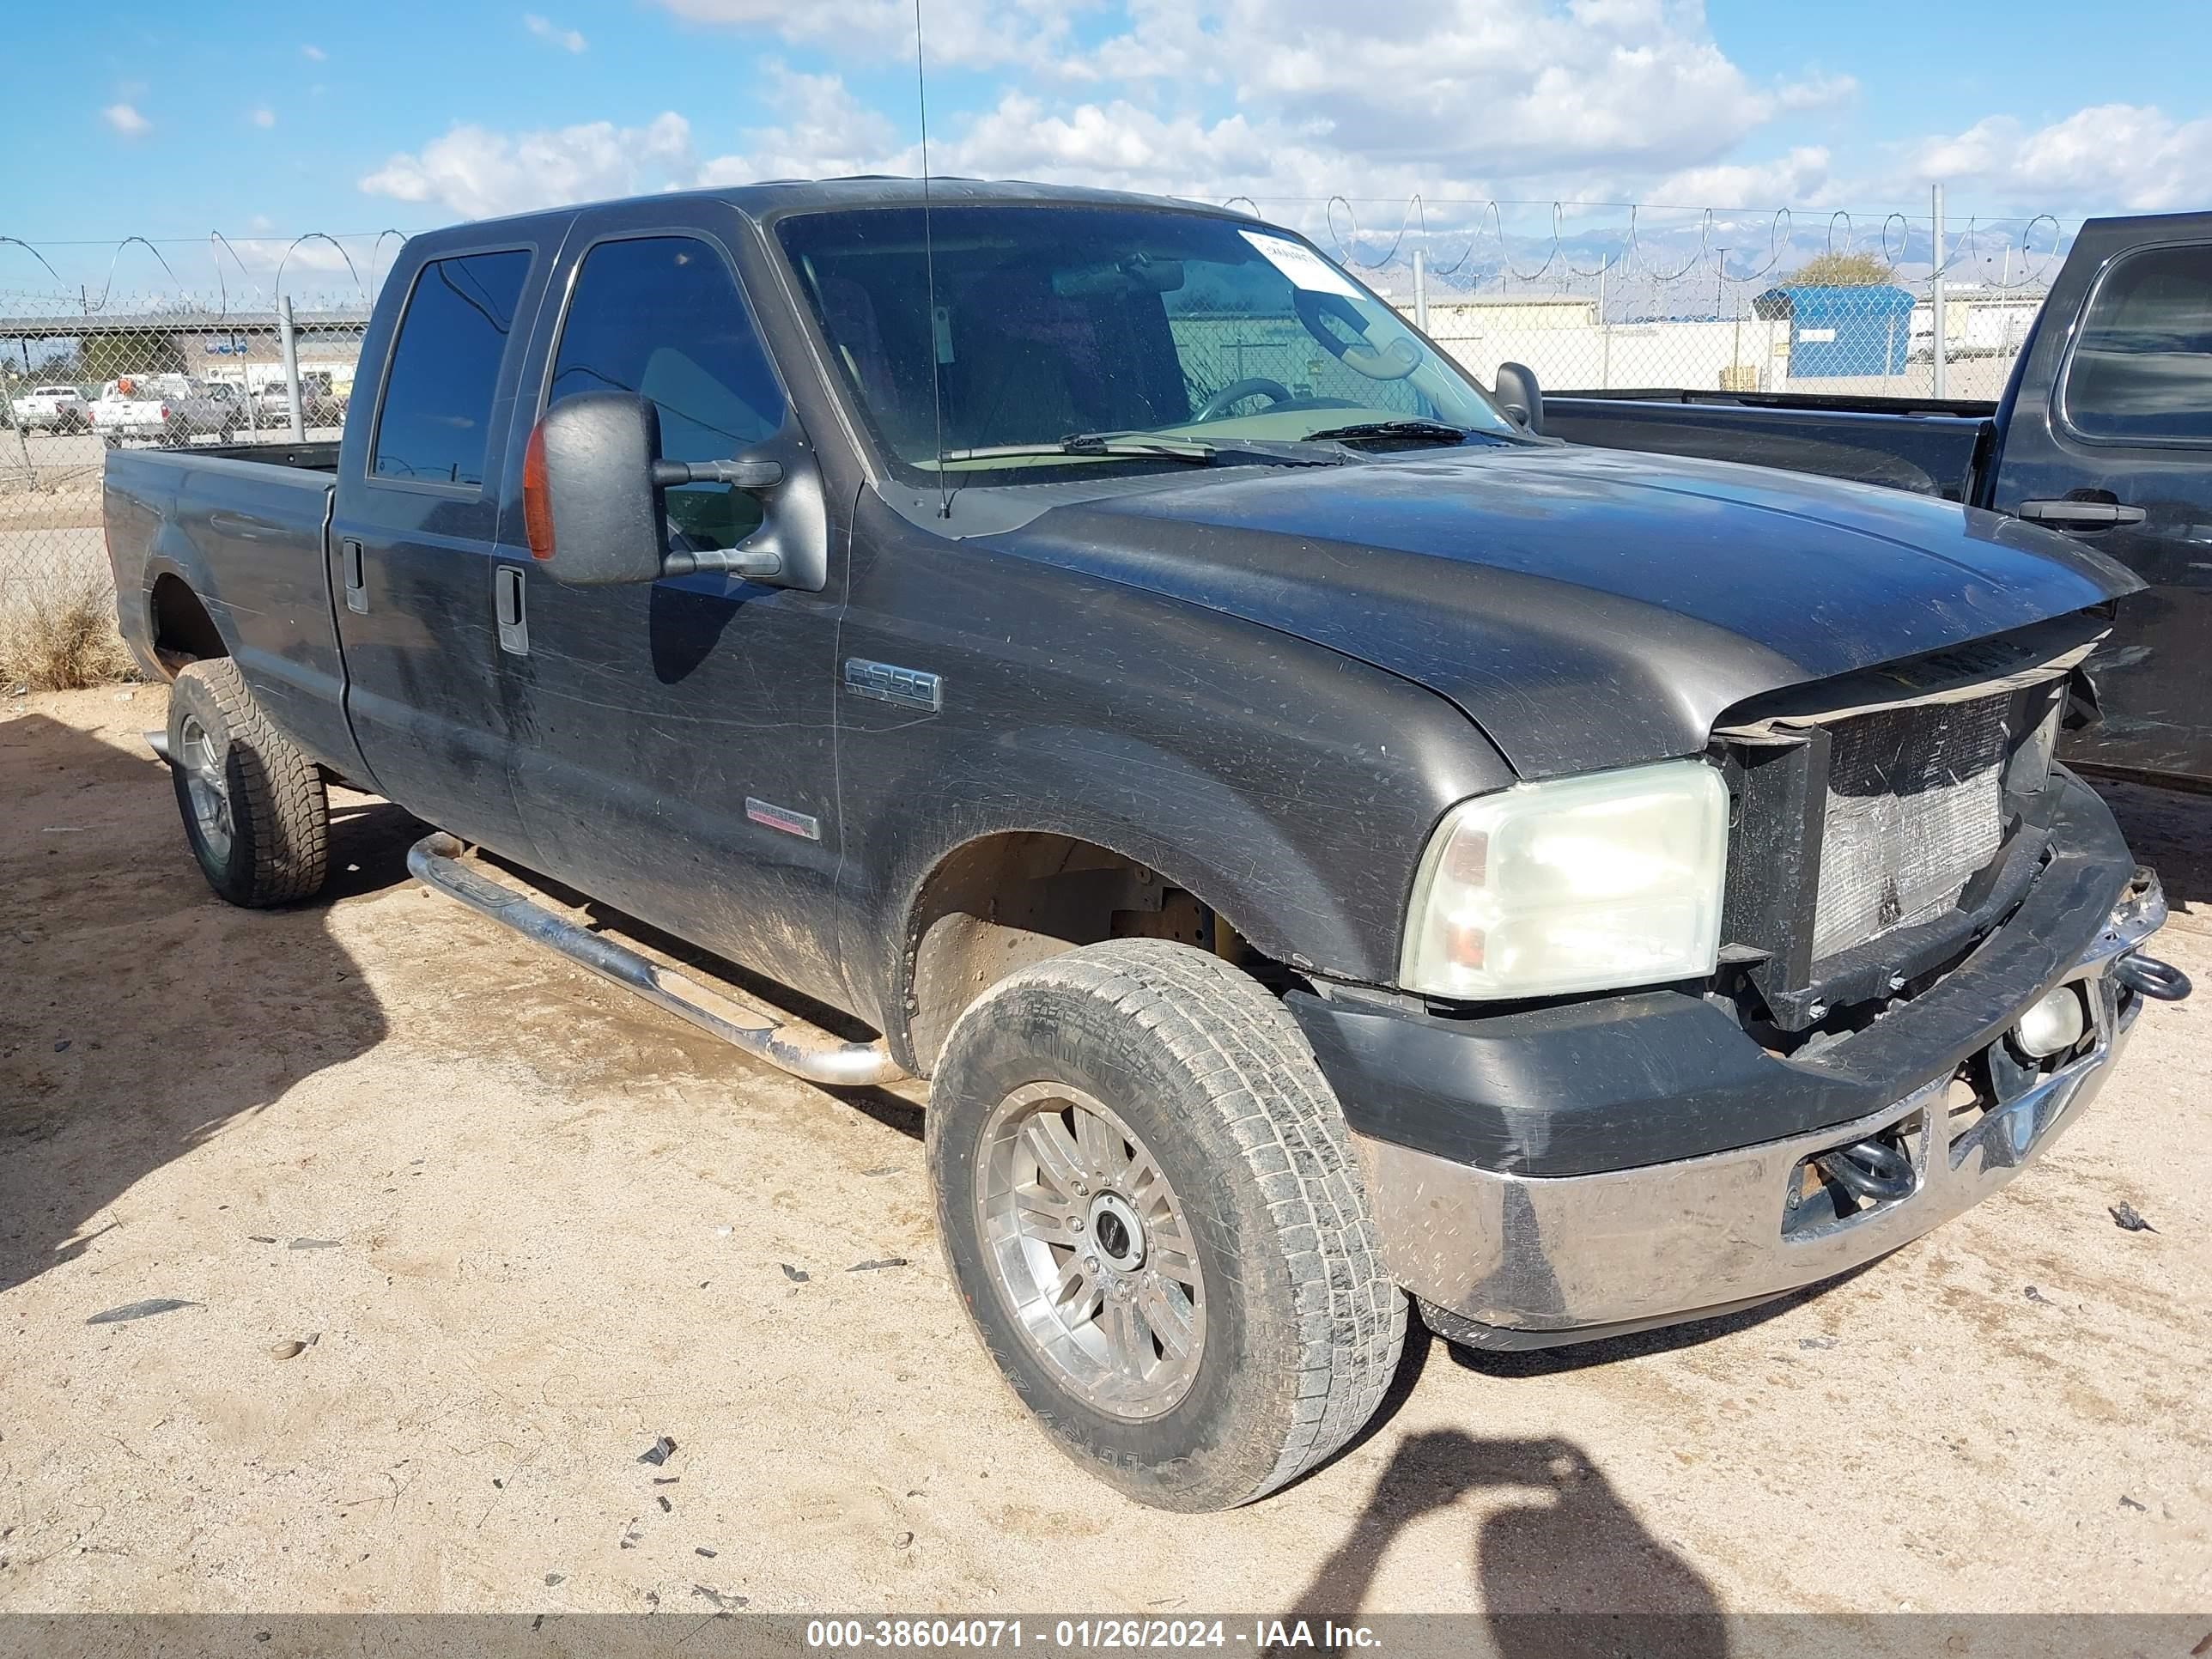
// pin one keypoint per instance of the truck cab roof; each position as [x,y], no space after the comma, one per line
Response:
[773,198]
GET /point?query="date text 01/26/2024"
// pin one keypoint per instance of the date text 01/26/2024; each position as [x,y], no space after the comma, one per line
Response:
[929,1635]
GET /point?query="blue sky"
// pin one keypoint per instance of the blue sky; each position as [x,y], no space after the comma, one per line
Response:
[273,120]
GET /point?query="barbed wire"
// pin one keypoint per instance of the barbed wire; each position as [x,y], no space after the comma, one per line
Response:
[2001,254]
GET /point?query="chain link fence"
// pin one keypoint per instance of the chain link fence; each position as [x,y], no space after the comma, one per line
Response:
[1623,297]
[259,342]
[233,355]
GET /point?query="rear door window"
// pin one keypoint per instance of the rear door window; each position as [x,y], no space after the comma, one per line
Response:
[663,317]
[2142,369]
[435,424]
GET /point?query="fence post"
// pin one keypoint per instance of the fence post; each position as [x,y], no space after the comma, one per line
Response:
[1936,291]
[1420,292]
[245,382]
[290,345]
[1604,334]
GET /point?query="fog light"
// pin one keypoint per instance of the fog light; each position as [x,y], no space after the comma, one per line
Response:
[2053,1026]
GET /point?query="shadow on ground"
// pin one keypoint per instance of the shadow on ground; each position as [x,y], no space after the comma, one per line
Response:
[140,1015]
[1556,1560]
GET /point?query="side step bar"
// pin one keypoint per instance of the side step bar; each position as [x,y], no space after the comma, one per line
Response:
[798,1048]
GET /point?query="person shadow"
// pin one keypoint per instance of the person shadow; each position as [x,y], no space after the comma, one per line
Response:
[140,1015]
[1564,1566]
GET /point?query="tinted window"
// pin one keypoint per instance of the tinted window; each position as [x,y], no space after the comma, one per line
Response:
[2143,366]
[662,316]
[436,419]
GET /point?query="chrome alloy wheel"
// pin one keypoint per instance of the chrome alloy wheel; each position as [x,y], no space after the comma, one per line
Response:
[204,783]
[1088,1244]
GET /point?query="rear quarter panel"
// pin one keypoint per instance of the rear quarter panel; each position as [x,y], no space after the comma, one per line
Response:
[246,537]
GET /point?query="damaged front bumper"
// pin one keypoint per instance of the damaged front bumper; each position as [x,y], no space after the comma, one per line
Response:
[1504,1255]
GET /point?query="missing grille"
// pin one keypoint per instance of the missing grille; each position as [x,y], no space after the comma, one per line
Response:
[1914,811]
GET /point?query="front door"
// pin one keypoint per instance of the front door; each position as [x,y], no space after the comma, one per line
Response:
[678,760]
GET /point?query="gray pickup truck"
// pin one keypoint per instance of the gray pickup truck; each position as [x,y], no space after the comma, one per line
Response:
[1331,850]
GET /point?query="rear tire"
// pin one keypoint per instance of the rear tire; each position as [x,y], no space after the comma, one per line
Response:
[1243,1326]
[255,809]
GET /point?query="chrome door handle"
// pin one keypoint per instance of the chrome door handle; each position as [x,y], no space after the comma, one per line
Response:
[2080,515]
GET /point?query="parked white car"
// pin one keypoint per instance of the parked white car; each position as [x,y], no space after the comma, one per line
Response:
[49,408]
[165,408]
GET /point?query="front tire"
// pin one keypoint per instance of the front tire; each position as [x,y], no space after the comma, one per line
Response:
[1145,1190]
[255,809]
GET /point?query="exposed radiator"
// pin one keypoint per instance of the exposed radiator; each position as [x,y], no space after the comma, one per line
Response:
[1915,809]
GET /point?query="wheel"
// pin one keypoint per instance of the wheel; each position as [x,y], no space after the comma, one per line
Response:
[254,807]
[1146,1191]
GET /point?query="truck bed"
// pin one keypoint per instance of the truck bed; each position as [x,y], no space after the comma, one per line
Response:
[1923,445]
[242,528]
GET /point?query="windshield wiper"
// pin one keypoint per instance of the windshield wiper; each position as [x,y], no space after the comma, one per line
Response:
[1132,446]
[1419,431]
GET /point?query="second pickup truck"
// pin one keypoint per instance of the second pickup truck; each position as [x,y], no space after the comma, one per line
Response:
[1331,851]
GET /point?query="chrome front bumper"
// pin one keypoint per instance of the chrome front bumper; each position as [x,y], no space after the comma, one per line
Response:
[1528,1261]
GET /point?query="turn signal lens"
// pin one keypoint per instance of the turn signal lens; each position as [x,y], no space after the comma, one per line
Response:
[537,505]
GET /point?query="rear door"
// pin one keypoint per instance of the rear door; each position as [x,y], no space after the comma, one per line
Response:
[680,755]
[2115,447]
[412,544]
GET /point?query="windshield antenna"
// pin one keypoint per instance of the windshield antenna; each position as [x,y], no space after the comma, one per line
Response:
[929,268]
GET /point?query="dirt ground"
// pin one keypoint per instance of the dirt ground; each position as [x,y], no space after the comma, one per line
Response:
[525,1226]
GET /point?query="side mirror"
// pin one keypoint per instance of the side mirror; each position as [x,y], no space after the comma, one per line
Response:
[592,482]
[1523,398]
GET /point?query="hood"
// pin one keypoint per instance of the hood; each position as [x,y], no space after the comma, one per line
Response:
[1587,608]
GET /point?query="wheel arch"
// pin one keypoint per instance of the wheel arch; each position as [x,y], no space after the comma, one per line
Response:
[179,623]
[1031,885]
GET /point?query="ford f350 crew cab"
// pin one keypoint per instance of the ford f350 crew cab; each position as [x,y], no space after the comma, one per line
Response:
[1330,850]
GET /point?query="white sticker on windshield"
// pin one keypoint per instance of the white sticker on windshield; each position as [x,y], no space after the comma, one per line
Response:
[1305,268]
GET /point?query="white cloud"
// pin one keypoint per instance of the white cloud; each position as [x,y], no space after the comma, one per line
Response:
[822,131]
[313,54]
[263,116]
[1799,180]
[476,172]
[974,33]
[567,39]
[126,120]
[2109,155]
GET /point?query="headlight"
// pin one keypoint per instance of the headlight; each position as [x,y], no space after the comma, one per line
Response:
[1580,884]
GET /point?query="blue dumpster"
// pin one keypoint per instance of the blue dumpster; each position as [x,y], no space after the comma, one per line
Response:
[1841,330]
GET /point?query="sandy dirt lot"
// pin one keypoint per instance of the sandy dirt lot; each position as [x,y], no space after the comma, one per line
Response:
[524,1227]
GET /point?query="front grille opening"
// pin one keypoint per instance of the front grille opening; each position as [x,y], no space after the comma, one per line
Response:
[1882,822]
[1914,811]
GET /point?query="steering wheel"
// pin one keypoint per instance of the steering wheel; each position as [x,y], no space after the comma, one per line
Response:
[1235,391]
[1392,363]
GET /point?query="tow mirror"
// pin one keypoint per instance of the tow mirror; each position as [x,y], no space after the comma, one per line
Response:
[592,484]
[1520,395]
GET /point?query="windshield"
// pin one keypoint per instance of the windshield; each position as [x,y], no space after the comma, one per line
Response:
[1051,322]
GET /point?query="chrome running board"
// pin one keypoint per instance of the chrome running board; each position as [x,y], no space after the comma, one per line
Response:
[804,1050]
